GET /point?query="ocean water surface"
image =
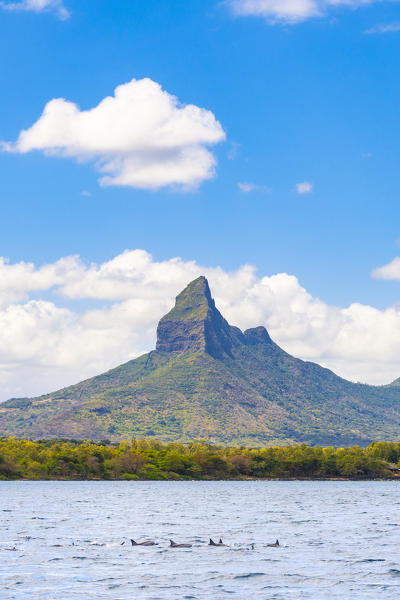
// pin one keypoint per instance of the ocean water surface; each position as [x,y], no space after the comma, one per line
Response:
[339,540]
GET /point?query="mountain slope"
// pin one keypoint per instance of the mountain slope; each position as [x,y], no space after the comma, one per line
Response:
[207,379]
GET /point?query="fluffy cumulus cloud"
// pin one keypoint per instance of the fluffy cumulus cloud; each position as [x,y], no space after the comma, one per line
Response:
[389,271]
[18,280]
[304,187]
[140,137]
[46,343]
[291,11]
[38,6]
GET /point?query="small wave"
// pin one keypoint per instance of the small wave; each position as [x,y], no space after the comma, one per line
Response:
[248,575]
[270,560]
[368,560]
[99,544]
[395,572]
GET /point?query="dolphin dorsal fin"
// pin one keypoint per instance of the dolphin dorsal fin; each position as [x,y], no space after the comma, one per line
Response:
[133,542]
[220,541]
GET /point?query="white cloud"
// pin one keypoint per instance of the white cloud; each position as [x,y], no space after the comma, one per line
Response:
[388,28]
[304,187]
[389,271]
[55,6]
[291,11]
[233,150]
[141,137]
[44,345]
[247,187]
[18,280]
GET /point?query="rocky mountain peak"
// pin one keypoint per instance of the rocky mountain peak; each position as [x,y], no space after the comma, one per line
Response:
[193,302]
[195,324]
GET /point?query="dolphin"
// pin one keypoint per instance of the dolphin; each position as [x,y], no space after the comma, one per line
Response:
[173,544]
[146,543]
[220,543]
[276,545]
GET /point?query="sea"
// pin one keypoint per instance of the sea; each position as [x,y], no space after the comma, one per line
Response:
[71,540]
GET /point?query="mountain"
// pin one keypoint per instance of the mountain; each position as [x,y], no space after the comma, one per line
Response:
[209,380]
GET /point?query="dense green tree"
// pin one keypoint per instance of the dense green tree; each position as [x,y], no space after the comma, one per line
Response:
[150,459]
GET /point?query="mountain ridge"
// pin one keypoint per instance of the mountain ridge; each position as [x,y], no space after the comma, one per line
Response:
[209,380]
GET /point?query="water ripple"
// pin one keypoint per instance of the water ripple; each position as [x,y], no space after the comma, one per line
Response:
[72,540]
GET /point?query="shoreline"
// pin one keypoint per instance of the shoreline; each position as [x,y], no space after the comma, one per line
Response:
[241,480]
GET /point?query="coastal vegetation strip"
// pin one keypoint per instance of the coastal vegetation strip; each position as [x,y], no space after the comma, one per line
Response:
[152,460]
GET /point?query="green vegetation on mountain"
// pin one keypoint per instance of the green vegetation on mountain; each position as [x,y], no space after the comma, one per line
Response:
[209,381]
[150,459]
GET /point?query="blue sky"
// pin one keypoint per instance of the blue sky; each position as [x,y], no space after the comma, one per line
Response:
[311,98]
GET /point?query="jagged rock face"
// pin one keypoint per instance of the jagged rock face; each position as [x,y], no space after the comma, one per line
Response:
[257,335]
[195,324]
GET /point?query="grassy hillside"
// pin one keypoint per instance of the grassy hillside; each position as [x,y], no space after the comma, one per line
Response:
[209,381]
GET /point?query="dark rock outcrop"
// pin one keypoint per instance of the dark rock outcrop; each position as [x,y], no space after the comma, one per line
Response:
[196,325]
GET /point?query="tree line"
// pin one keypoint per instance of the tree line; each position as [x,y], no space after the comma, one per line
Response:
[149,459]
